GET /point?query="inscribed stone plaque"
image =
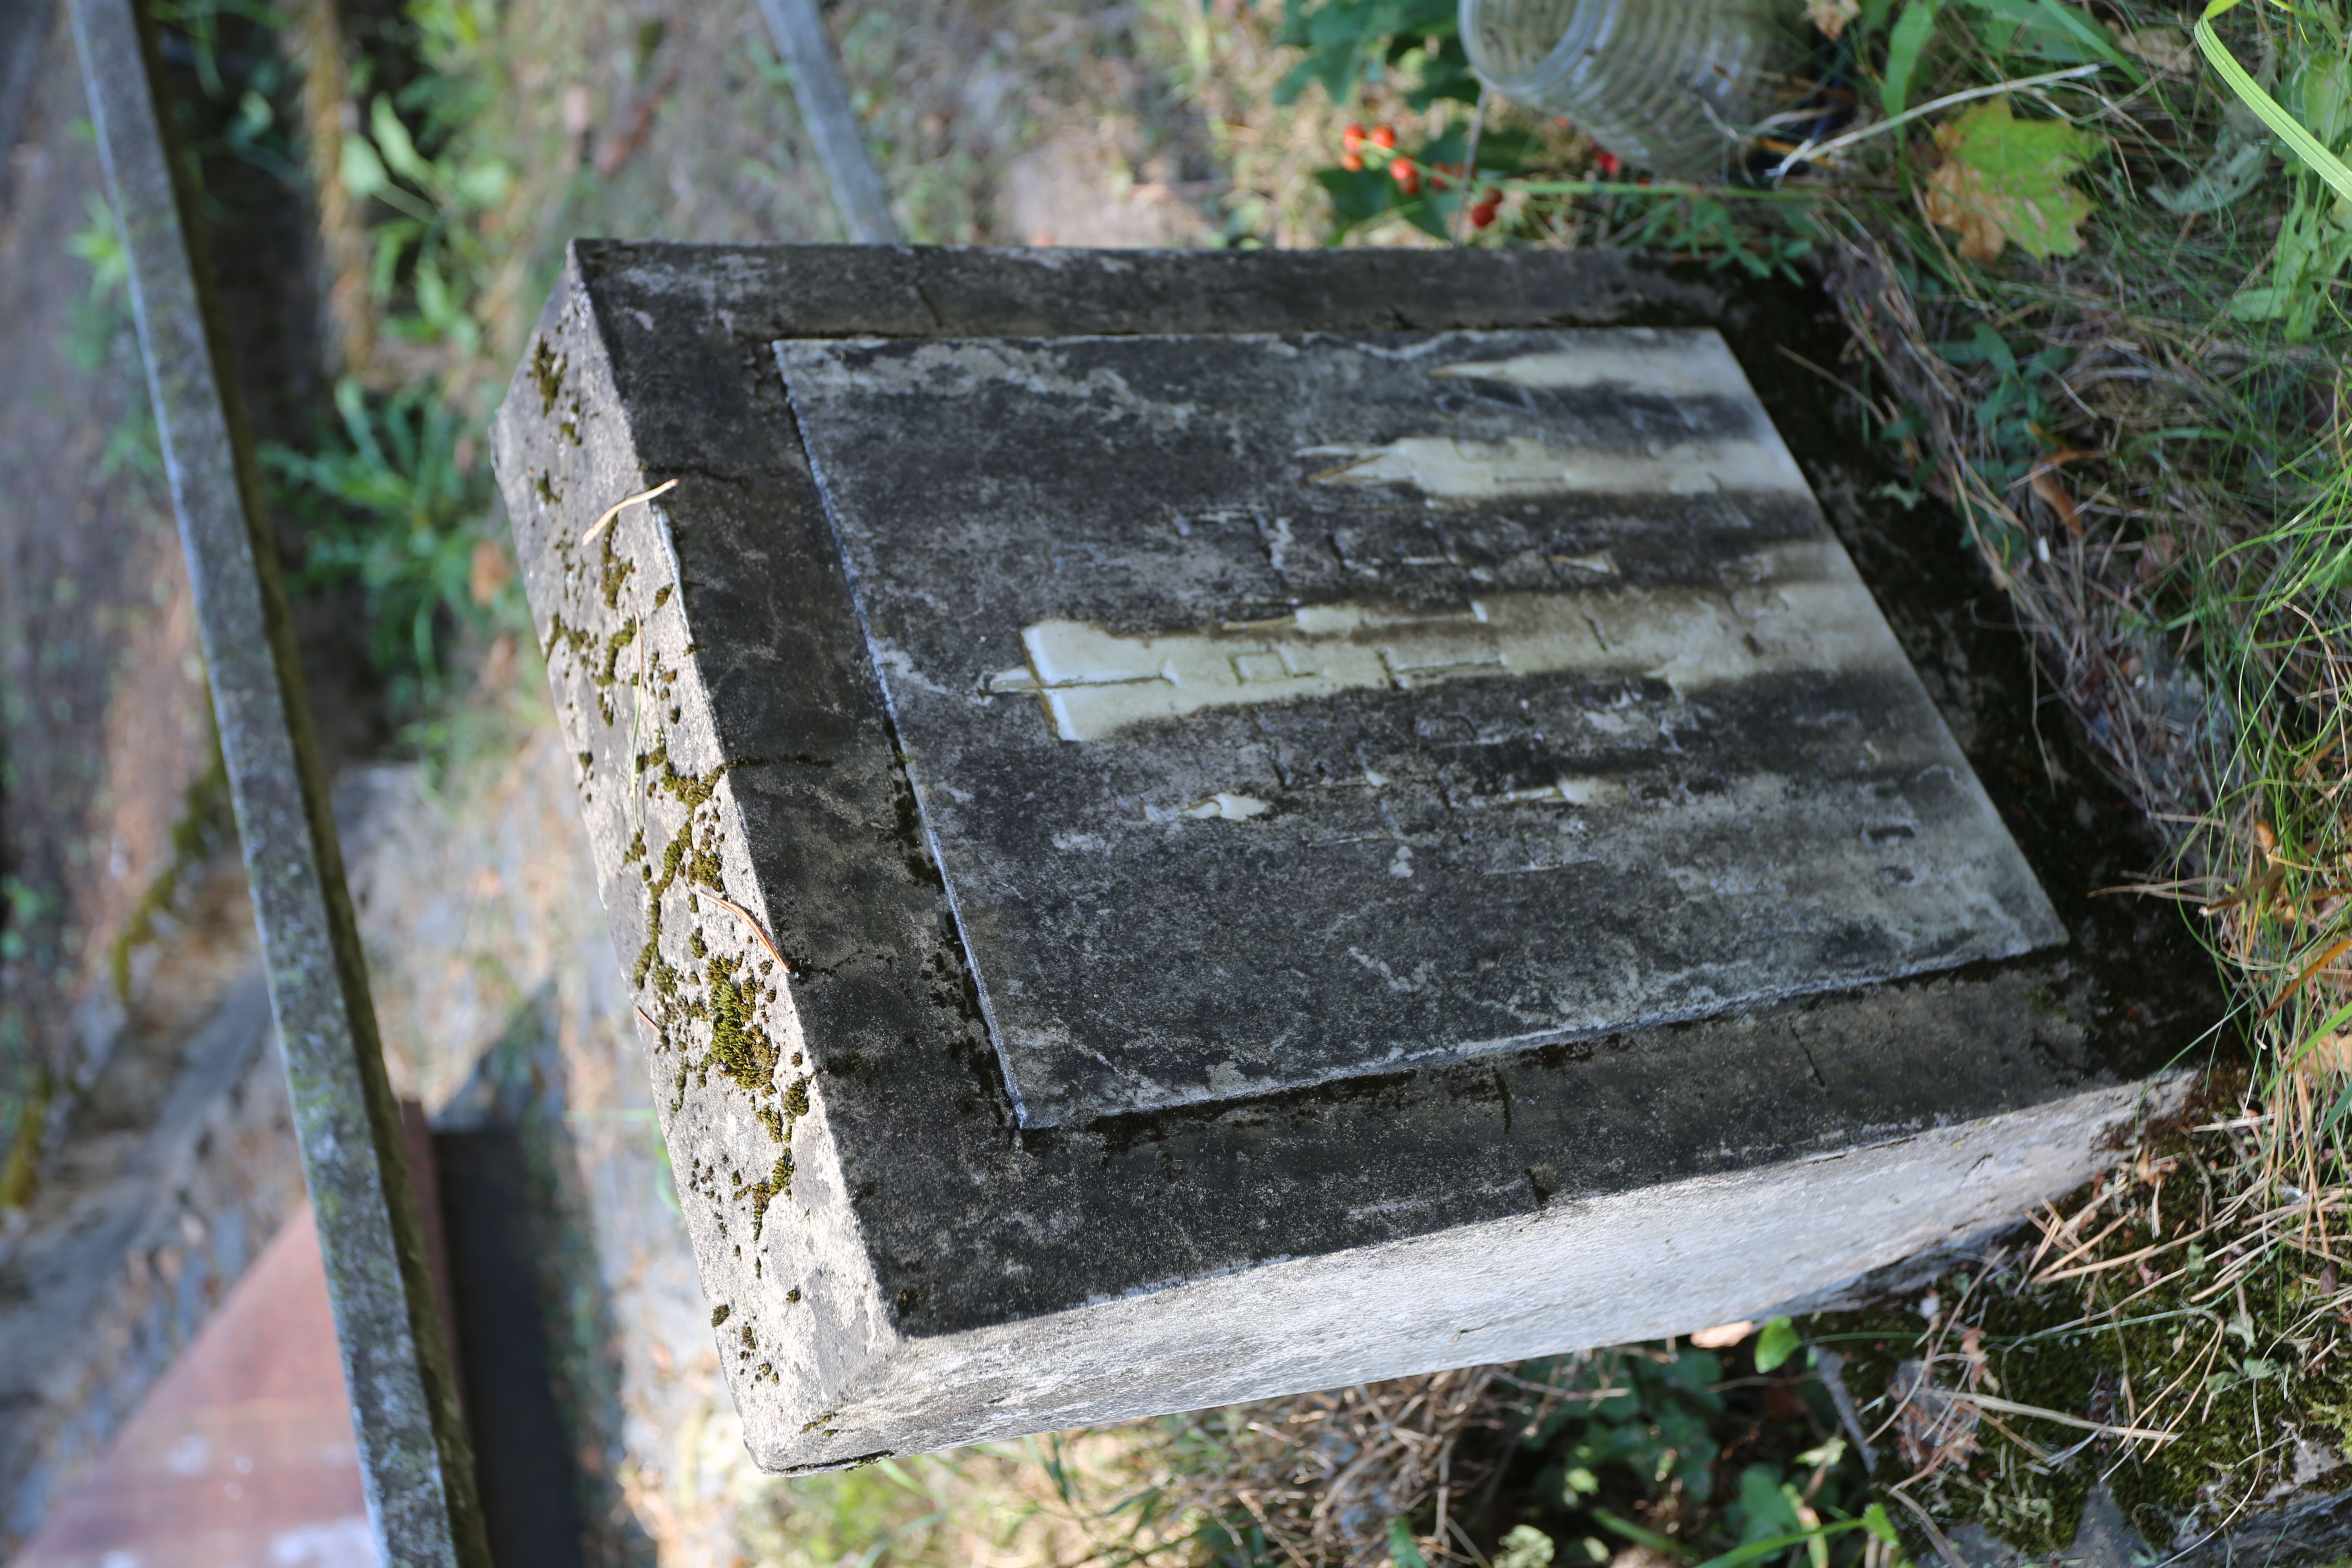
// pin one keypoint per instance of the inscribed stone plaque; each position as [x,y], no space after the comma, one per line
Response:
[1282,708]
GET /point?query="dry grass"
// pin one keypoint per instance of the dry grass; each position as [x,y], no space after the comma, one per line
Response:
[2082,557]
[1314,1481]
[1321,1475]
[1057,1501]
[2174,541]
[2221,1314]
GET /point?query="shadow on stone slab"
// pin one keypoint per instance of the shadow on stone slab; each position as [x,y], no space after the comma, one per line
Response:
[534,1324]
[530,1490]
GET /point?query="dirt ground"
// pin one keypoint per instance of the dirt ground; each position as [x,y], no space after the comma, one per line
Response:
[102,701]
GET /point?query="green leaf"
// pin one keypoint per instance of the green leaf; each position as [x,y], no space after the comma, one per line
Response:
[1357,198]
[1697,1372]
[1347,41]
[351,402]
[101,245]
[484,185]
[1640,1537]
[1776,1344]
[2324,88]
[399,152]
[2055,17]
[1912,31]
[1875,1520]
[1403,1552]
[1445,75]
[2005,179]
[2236,168]
[2052,30]
[1525,1547]
[1764,1511]
[2315,247]
[1778,1543]
[1993,350]
[1503,151]
[363,171]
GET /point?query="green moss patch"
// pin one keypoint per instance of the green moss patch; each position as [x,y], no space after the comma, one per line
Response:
[2190,1346]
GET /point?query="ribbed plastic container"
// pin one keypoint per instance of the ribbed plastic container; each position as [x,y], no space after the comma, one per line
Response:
[1657,82]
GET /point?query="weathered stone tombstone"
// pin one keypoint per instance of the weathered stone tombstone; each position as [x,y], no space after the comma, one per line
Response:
[1187,827]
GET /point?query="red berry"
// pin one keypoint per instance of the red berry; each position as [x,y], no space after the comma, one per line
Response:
[1352,138]
[1483,215]
[1606,165]
[1353,163]
[1384,138]
[1407,177]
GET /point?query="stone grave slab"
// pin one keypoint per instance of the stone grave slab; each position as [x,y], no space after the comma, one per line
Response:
[1284,708]
[1186,827]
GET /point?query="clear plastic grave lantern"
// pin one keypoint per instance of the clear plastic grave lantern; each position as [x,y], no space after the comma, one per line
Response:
[1667,85]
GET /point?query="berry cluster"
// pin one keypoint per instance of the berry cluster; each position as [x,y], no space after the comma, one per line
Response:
[1355,138]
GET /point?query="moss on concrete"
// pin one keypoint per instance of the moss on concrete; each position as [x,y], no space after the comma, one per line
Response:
[778,1183]
[20,1174]
[207,821]
[547,374]
[740,1047]
[2144,1330]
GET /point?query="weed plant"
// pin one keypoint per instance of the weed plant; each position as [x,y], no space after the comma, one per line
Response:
[242,84]
[392,491]
[435,196]
[2175,1336]
[1659,1453]
[397,502]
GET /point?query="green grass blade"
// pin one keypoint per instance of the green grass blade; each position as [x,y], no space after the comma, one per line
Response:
[1640,1537]
[1756,1549]
[2288,129]
[1912,31]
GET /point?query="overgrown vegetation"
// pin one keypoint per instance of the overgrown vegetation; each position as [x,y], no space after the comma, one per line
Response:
[1649,1453]
[393,492]
[397,498]
[399,501]
[2176,1336]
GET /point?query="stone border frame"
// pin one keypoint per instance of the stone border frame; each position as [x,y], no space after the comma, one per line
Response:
[893,1263]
